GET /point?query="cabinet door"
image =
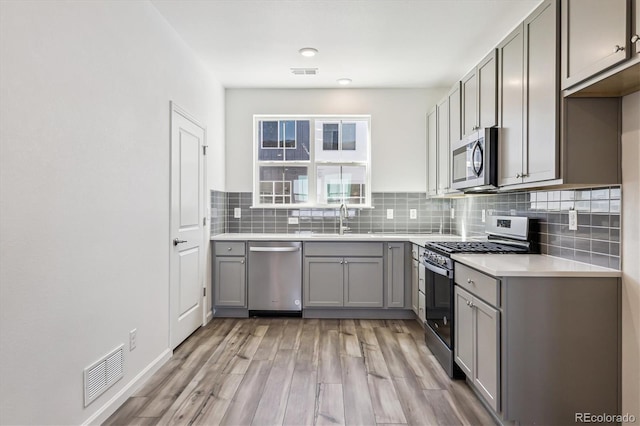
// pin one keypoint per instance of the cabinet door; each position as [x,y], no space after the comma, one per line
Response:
[323,281]
[422,303]
[511,107]
[463,346]
[230,281]
[541,124]
[395,275]
[469,103]
[487,76]
[432,152]
[363,282]
[414,285]
[594,37]
[487,351]
[443,146]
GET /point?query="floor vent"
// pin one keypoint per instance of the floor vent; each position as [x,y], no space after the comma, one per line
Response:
[103,374]
[304,71]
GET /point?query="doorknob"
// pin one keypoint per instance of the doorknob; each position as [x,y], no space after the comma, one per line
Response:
[177,241]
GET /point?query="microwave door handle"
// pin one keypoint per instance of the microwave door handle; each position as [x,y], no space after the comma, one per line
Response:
[437,270]
[477,147]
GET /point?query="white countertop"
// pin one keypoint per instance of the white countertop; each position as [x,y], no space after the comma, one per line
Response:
[532,265]
[419,239]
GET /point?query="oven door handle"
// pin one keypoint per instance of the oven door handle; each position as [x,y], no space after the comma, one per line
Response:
[437,269]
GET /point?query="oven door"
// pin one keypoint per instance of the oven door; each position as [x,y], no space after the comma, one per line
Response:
[439,301]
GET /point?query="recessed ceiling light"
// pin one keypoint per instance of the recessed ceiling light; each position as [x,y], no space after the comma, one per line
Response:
[308,51]
[344,81]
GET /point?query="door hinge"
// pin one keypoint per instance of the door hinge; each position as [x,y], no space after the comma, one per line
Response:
[204,149]
[204,221]
[204,291]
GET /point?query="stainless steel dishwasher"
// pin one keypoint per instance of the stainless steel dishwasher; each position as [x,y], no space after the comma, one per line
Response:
[275,278]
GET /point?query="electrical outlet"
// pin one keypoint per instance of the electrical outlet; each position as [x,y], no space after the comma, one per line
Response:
[573,220]
[293,221]
[453,213]
[389,213]
[237,212]
[133,338]
[413,213]
[484,215]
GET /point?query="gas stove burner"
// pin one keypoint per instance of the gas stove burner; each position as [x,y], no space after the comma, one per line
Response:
[476,247]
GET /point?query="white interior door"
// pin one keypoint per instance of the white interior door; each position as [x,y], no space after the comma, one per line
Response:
[186,297]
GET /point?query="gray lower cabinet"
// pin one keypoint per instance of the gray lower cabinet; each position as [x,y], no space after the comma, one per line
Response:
[230,281]
[395,275]
[363,282]
[415,272]
[477,344]
[343,281]
[323,282]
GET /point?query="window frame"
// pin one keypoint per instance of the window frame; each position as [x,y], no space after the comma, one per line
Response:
[311,164]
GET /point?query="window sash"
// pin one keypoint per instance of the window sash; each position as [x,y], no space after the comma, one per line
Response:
[313,195]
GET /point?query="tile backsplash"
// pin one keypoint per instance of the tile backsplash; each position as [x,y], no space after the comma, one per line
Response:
[597,240]
[432,216]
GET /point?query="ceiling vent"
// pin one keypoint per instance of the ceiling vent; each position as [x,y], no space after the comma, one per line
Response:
[304,71]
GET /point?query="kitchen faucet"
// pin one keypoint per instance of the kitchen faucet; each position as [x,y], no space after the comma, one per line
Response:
[344,214]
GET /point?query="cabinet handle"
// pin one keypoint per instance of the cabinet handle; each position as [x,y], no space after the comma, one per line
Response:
[635,38]
[518,176]
[242,261]
[228,248]
[468,303]
[471,305]
[470,281]
[345,262]
[618,48]
[341,262]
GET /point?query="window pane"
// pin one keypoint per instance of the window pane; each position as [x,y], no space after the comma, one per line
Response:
[354,179]
[349,136]
[300,152]
[287,134]
[269,134]
[287,184]
[330,136]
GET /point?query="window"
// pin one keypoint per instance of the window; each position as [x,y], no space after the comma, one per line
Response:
[312,161]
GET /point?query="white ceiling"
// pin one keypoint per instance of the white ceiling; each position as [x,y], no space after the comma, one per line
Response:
[376,43]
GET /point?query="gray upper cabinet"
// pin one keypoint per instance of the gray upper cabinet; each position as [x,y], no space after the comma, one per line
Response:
[480,95]
[363,282]
[444,180]
[594,37]
[528,100]
[469,85]
[432,152]
[395,275]
[511,107]
[540,161]
[487,75]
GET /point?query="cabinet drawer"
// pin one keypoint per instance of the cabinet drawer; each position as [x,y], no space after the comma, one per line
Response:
[484,286]
[229,248]
[342,249]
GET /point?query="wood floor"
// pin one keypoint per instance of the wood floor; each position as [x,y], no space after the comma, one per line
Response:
[293,371]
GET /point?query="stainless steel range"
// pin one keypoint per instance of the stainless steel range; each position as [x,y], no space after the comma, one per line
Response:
[505,234]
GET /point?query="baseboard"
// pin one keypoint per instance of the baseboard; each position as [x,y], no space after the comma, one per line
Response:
[208,318]
[343,313]
[118,399]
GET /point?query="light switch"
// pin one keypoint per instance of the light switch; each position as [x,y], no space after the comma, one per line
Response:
[389,213]
[293,221]
[237,212]
[413,213]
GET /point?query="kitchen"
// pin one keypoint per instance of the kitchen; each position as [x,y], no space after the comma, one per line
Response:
[104,73]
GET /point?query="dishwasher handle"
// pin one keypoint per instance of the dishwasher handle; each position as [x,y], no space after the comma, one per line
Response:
[273,249]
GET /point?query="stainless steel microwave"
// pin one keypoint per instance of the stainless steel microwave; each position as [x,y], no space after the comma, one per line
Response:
[475,161]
